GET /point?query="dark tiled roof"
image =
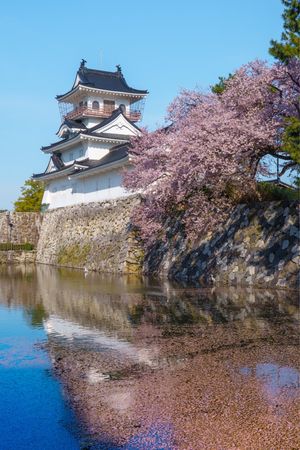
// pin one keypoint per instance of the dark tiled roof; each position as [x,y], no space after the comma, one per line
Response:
[83,162]
[74,124]
[47,147]
[119,137]
[57,161]
[117,153]
[107,81]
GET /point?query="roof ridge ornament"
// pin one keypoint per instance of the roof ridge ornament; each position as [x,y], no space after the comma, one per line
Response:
[119,70]
[82,64]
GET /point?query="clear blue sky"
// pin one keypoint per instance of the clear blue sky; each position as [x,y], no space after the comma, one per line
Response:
[161,45]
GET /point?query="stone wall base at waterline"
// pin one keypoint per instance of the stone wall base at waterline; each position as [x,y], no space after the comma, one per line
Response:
[94,236]
[258,246]
[17,257]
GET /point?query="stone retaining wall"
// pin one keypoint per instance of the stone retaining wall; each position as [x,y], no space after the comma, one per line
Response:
[20,227]
[17,257]
[95,236]
[259,245]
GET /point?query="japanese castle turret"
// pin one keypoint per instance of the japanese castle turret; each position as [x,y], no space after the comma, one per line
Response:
[99,116]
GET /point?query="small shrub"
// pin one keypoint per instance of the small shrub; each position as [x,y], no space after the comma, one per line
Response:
[272,192]
[11,246]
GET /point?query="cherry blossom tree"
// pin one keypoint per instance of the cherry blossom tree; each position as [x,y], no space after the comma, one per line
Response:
[212,148]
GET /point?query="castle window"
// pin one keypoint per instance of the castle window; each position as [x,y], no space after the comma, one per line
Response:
[109,105]
[122,108]
[95,104]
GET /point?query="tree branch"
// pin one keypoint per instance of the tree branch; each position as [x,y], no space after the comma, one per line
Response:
[293,79]
[283,157]
[276,89]
[297,107]
[287,167]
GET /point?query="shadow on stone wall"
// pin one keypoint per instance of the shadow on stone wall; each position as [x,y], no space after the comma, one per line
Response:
[259,245]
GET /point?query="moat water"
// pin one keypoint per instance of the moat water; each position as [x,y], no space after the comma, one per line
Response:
[91,361]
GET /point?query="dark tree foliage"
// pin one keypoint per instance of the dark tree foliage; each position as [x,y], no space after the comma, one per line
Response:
[220,87]
[291,138]
[289,46]
[285,51]
[31,197]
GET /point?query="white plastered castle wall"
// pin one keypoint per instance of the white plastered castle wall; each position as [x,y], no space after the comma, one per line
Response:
[95,188]
[76,152]
[91,150]
[95,150]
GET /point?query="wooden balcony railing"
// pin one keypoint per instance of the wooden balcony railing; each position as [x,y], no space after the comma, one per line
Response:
[104,112]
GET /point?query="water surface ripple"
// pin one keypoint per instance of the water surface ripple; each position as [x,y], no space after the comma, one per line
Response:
[91,361]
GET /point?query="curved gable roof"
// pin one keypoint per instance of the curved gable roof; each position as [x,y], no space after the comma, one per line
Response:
[117,154]
[104,80]
[72,124]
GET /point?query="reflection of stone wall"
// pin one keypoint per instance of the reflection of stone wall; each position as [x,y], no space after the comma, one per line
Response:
[259,245]
[25,227]
[96,236]
[117,305]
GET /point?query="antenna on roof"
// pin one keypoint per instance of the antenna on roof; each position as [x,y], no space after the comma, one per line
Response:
[101,58]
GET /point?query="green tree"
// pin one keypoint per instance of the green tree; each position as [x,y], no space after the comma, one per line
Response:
[291,138]
[31,197]
[285,51]
[220,87]
[289,46]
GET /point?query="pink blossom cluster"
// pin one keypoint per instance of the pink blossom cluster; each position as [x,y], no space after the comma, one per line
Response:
[214,141]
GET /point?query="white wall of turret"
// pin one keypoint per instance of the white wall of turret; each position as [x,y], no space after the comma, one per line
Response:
[78,152]
[97,151]
[85,150]
[95,188]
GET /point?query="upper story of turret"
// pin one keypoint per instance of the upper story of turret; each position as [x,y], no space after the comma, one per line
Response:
[95,94]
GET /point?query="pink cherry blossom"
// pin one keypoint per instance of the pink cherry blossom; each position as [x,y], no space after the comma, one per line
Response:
[214,142]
